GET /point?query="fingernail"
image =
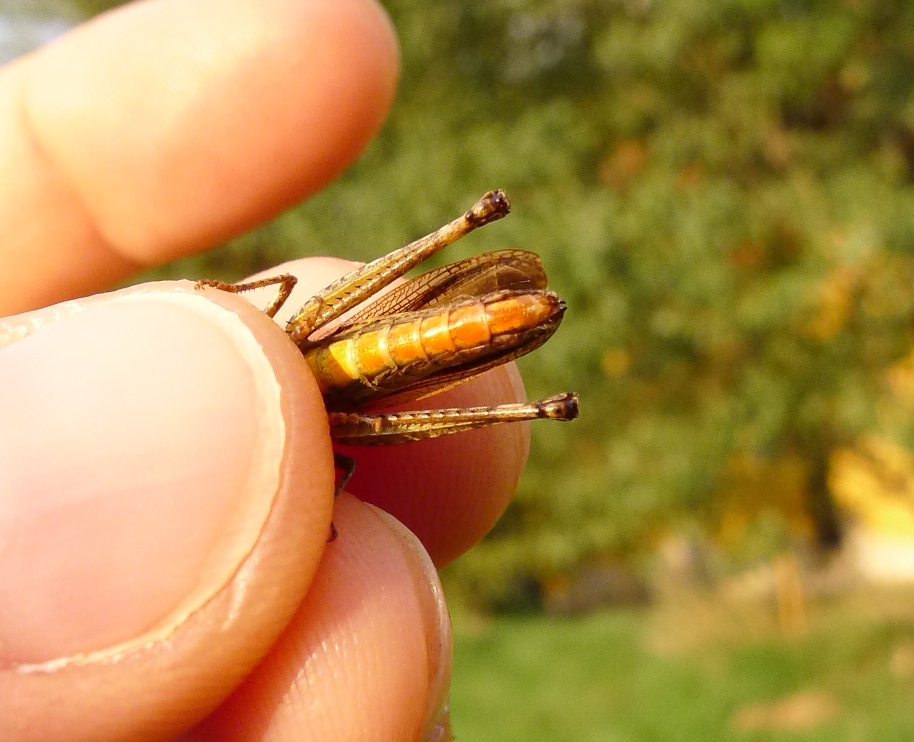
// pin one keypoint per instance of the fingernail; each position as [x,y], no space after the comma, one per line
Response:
[437,621]
[140,447]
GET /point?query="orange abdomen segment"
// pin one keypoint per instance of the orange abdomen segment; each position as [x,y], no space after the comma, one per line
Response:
[391,353]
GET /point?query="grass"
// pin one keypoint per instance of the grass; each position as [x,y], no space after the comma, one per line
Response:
[662,674]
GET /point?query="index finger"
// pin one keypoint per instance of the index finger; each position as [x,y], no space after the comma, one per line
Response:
[164,127]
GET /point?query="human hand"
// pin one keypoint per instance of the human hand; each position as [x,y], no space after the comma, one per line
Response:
[165,471]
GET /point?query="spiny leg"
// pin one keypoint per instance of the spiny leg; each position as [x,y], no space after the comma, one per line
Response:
[358,285]
[386,428]
[286,282]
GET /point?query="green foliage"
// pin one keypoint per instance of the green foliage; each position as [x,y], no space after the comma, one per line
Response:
[721,191]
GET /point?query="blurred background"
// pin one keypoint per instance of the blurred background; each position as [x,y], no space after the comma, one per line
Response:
[722,547]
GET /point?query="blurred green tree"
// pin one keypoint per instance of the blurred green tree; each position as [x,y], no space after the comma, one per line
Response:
[723,194]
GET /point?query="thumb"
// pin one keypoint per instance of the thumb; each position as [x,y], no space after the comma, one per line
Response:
[166,487]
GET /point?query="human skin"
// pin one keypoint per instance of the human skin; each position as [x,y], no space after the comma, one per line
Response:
[166,483]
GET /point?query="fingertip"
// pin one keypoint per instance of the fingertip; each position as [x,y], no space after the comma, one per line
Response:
[367,653]
[217,114]
[162,548]
[162,128]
